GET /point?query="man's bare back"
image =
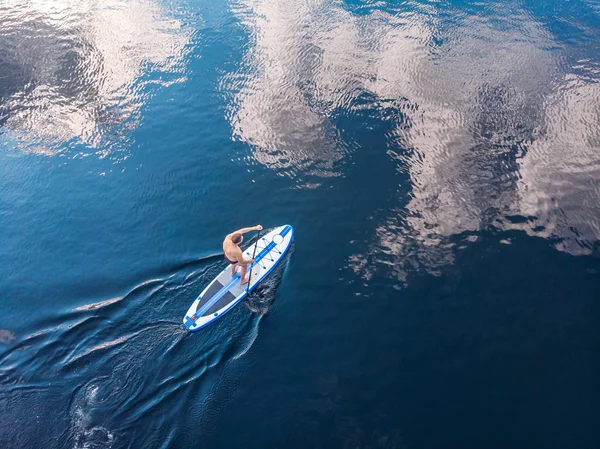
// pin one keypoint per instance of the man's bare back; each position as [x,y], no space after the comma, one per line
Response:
[233,252]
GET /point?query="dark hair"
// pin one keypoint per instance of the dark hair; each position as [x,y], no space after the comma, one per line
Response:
[236,238]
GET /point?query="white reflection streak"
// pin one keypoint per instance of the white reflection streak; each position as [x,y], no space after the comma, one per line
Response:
[277,108]
[563,169]
[113,40]
[447,200]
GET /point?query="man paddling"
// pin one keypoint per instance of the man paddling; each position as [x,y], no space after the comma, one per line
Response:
[233,252]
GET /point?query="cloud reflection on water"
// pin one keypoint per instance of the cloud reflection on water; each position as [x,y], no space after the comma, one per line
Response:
[73,68]
[560,174]
[488,117]
[276,107]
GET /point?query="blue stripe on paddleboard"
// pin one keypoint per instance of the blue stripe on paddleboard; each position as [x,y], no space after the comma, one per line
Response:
[230,284]
[218,296]
[287,229]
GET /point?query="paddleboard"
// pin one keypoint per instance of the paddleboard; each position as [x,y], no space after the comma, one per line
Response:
[225,291]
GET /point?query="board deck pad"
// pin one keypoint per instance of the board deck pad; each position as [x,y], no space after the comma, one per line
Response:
[225,291]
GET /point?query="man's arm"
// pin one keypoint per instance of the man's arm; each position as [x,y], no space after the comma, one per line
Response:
[245,230]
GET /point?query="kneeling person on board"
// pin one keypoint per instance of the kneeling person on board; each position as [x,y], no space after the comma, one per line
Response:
[233,253]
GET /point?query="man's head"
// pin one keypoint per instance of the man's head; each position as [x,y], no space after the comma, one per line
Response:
[237,238]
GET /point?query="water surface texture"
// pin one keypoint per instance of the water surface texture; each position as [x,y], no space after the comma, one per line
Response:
[439,161]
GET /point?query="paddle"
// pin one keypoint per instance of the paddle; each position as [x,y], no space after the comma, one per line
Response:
[252,266]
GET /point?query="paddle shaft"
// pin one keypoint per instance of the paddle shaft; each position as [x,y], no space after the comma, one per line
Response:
[252,266]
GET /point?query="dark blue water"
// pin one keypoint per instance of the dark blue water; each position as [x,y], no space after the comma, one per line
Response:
[440,162]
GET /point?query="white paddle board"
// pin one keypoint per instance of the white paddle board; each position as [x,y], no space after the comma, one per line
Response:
[225,291]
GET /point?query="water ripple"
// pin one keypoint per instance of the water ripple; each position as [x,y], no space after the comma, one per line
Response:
[120,360]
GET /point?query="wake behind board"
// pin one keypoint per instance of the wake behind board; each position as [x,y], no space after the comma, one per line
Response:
[225,291]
